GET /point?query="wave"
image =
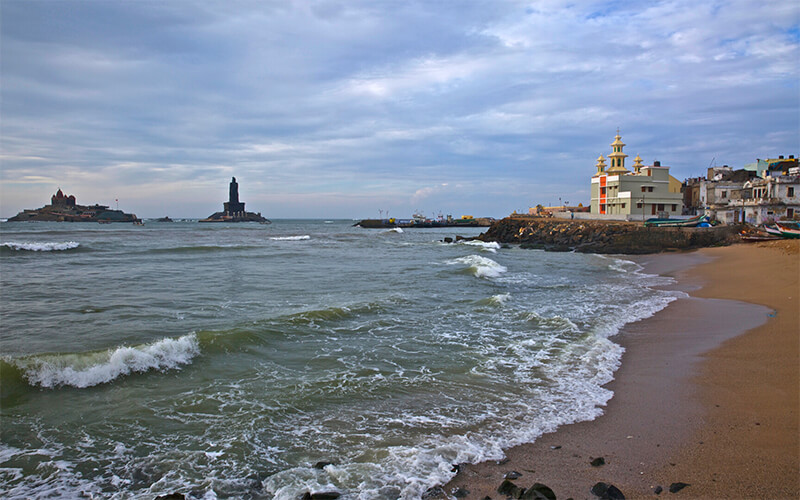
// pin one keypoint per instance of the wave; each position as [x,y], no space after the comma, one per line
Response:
[88,369]
[199,249]
[394,230]
[480,267]
[291,238]
[35,246]
[487,246]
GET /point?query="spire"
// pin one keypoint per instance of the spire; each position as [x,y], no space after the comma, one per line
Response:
[617,157]
[601,165]
[637,165]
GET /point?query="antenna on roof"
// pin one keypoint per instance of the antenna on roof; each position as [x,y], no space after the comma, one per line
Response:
[713,161]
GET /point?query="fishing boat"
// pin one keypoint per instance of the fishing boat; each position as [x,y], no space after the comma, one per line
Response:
[693,222]
[788,229]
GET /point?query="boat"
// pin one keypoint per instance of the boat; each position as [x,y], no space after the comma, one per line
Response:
[787,231]
[698,220]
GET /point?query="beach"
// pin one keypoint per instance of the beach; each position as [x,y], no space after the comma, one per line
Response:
[706,396]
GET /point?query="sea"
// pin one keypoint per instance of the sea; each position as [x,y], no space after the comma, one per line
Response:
[266,361]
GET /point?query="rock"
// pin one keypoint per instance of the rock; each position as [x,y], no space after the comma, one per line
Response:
[658,490]
[322,464]
[513,475]
[597,462]
[460,492]
[676,487]
[322,495]
[538,492]
[510,489]
[606,491]
[448,239]
[433,492]
[172,496]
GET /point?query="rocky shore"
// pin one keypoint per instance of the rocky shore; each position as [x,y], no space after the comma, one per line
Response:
[608,237]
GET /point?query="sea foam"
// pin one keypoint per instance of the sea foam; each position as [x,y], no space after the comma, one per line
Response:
[34,246]
[291,238]
[89,369]
[487,246]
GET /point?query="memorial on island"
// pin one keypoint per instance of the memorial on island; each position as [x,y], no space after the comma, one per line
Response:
[64,208]
[233,209]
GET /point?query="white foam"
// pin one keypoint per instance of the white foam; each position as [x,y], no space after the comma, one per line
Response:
[291,238]
[481,267]
[46,246]
[395,230]
[487,246]
[87,370]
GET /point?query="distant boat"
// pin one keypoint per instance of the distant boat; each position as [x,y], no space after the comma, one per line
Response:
[138,222]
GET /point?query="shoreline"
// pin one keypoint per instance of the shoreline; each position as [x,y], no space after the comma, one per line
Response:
[691,403]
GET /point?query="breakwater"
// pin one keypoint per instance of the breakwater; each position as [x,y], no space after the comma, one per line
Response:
[608,237]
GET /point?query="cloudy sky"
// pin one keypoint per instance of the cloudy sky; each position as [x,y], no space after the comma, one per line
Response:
[344,108]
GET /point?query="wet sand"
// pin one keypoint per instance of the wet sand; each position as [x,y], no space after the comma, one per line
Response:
[707,393]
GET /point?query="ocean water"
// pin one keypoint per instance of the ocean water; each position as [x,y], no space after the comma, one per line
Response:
[225,360]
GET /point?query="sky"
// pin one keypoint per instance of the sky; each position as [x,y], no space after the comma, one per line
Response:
[359,108]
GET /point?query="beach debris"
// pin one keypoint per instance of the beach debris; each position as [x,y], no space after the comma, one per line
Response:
[538,491]
[460,492]
[597,462]
[513,475]
[676,487]
[510,489]
[503,461]
[556,447]
[322,464]
[658,490]
[607,492]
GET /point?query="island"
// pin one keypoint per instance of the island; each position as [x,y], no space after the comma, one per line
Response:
[233,209]
[63,208]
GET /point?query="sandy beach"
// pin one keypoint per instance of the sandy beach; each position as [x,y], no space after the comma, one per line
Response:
[707,394]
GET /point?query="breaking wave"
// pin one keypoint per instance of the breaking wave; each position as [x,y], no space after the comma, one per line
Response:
[480,267]
[47,246]
[487,246]
[291,238]
[93,368]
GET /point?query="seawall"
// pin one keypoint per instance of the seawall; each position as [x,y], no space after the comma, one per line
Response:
[610,237]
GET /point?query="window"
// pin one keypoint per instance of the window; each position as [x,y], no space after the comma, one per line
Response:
[723,194]
[638,205]
[660,207]
[623,205]
[644,189]
[602,190]
[674,207]
[790,192]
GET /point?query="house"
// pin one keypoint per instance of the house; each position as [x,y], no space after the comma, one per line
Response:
[763,191]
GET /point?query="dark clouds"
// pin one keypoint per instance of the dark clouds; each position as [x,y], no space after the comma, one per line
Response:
[337,109]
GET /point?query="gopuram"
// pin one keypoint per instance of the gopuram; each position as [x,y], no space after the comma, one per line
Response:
[233,209]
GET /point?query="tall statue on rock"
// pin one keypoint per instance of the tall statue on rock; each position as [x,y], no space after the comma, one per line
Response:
[233,206]
[233,210]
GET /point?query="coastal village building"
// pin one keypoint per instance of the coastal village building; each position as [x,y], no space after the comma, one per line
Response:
[648,191]
[763,191]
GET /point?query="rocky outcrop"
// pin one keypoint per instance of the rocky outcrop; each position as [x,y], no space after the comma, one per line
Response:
[605,236]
